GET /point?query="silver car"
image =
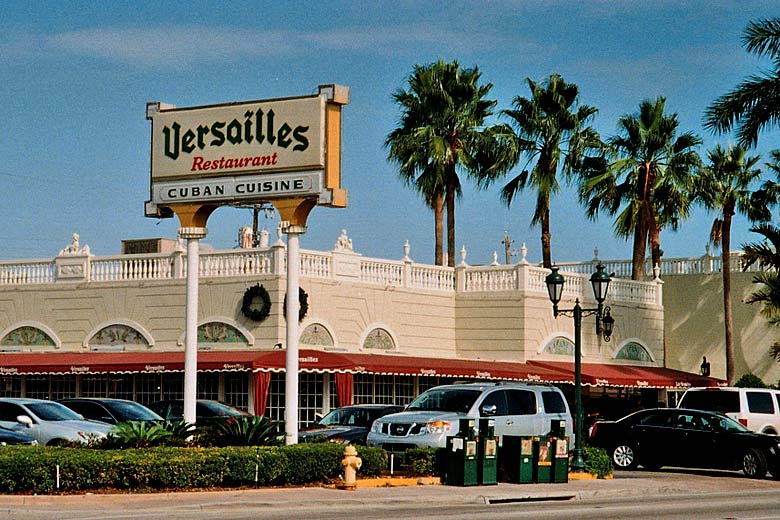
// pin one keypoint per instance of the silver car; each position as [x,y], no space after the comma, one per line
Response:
[49,422]
[517,409]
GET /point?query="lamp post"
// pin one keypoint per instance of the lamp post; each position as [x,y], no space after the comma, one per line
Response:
[604,323]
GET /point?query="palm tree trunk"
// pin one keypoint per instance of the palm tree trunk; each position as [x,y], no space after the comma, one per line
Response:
[655,245]
[438,216]
[451,217]
[727,317]
[546,240]
[638,255]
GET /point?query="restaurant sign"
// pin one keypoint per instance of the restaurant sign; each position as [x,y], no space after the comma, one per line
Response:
[248,151]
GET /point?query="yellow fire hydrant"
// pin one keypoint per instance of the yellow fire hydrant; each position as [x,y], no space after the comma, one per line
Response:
[351,463]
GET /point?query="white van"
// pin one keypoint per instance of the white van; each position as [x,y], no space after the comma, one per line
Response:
[756,408]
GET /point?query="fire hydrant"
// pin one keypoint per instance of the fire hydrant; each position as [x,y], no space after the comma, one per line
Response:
[351,463]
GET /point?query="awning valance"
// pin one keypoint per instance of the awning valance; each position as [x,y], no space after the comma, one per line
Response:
[594,374]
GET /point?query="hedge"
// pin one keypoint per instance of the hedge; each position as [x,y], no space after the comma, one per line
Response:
[33,469]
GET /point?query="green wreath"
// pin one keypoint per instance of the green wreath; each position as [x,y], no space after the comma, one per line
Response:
[303,304]
[252,310]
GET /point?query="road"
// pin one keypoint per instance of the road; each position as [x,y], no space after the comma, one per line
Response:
[670,494]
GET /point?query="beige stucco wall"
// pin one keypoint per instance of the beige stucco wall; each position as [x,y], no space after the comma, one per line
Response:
[694,326]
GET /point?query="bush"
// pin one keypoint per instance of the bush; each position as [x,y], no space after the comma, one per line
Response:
[597,461]
[25,469]
[750,381]
[423,462]
[248,431]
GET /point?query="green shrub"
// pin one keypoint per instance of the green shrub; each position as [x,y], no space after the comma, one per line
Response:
[750,381]
[134,434]
[25,469]
[422,462]
[597,461]
[248,431]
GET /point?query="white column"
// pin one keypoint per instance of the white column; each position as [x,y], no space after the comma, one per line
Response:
[193,236]
[291,354]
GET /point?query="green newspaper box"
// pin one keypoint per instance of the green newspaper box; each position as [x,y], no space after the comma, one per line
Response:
[487,466]
[461,456]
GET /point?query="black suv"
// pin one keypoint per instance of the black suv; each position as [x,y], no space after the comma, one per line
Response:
[206,411]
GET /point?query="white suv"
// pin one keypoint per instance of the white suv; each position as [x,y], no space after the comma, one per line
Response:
[758,409]
[517,409]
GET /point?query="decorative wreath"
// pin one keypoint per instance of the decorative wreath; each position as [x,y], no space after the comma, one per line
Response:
[250,309]
[303,304]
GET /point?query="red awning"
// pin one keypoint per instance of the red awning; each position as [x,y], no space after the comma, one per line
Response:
[310,360]
[120,362]
[630,376]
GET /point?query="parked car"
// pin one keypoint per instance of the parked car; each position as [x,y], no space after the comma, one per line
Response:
[111,411]
[206,411]
[687,438]
[758,409]
[348,424]
[49,422]
[9,437]
[520,409]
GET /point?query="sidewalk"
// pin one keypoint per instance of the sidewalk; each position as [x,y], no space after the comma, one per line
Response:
[374,491]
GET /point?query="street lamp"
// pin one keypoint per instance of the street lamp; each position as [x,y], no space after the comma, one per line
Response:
[604,324]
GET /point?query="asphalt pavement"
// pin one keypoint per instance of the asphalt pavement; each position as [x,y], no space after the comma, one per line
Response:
[371,491]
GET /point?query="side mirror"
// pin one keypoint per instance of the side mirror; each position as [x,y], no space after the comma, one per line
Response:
[489,409]
[25,419]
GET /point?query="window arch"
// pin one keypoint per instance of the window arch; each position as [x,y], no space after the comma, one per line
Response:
[221,334]
[633,351]
[559,346]
[28,336]
[119,336]
[378,339]
[316,334]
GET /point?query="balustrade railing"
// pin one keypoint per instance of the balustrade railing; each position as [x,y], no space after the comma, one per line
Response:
[353,267]
[24,273]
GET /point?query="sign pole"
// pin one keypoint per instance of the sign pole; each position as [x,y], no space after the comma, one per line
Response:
[291,354]
[193,236]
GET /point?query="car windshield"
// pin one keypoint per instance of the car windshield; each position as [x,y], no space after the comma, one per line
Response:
[445,400]
[348,417]
[130,411]
[53,412]
[217,409]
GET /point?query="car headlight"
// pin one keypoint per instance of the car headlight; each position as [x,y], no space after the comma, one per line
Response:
[376,427]
[438,427]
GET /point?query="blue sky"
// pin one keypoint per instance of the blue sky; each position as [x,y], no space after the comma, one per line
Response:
[76,77]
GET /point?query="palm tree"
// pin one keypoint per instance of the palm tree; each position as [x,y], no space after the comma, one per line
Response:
[755,103]
[442,130]
[551,129]
[725,186]
[767,255]
[649,175]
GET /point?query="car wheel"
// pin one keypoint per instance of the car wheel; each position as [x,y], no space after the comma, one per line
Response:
[56,442]
[624,456]
[754,463]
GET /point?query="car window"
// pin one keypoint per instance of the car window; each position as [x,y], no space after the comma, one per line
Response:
[10,411]
[760,402]
[131,411]
[685,421]
[656,419]
[723,401]
[446,400]
[88,409]
[51,411]
[497,399]
[521,402]
[553,402]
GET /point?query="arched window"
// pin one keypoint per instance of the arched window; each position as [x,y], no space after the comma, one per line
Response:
[316,334]
[633,351]
[559,346]
[27,336]
[117,336]
[379,339]
[219,333]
